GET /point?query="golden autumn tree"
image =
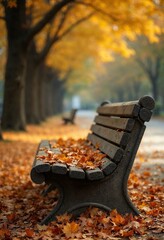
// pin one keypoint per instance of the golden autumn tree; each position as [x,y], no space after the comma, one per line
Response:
[55,31]
[23,23]
[94,31]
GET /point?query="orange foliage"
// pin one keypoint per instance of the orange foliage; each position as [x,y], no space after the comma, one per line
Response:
[73,153]
[22,207]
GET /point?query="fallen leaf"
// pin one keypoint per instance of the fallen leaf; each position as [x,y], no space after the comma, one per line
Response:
[29,232]
[70,228]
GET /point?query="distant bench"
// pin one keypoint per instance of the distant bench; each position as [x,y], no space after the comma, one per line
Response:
[71,117]
[117,131]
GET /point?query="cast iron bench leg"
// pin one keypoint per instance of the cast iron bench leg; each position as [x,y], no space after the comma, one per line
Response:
[49,189]
[76,196]
[51,215]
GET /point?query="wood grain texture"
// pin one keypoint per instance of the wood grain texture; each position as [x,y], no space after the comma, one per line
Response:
[56,150]
[108,166]
[116,123]
[44,144]
[94,174]
[110,149]
[76,173]
[118,137]
[42,167]
[130,109]
[59,168]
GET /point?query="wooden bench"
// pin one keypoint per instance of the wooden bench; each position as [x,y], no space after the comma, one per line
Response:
[117,131]
[71,117]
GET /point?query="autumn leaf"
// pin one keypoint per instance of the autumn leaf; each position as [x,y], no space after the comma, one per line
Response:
[4,232]
[11,217]
[116,218]
[127,233]
[70,228]
[63,218]
[73,152]
[29,232]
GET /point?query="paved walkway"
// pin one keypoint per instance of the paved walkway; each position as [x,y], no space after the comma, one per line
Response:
[153,139]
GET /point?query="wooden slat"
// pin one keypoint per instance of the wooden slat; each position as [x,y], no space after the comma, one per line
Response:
[36,177]
[110,149]
[59,168]
[145,114]
[76,173]
[56,150]
[94,174]
[42,167]
[44,144]
[41,153]
[126,109]
[117,123]
[39,165]
[147,102]
[114,136]
[108,166]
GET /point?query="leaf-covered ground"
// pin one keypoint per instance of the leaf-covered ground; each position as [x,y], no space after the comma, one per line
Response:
[22,207]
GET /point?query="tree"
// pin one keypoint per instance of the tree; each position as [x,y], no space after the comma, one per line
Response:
[19,36]
[149,56]
[37,55]
[121,80]
[118,20]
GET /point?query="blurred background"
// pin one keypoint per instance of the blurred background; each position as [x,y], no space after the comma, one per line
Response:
[58,55]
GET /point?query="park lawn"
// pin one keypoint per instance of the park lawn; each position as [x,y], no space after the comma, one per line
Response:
[22,207]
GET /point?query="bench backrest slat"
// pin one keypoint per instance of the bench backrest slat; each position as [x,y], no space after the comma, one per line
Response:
[72,113]
[116,123]
[114,152]
[130,109]
[115,136]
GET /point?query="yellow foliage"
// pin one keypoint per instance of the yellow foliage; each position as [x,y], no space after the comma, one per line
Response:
[12,3]
[101,35]
[105,32]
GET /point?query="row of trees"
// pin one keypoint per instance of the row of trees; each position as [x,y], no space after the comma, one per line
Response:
[63,34]
[127,79]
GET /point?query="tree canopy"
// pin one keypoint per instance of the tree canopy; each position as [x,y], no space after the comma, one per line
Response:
[72,30]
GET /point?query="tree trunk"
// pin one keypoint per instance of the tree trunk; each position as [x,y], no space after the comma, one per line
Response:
[49,93]
[154,84]
[1,137]
[42,91]
[61,99]
[53,93]
[13,116]
[58,89]
[32,85]
[48,98]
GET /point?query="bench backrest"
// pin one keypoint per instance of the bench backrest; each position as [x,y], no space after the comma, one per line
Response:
[118,129]
[73,113]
